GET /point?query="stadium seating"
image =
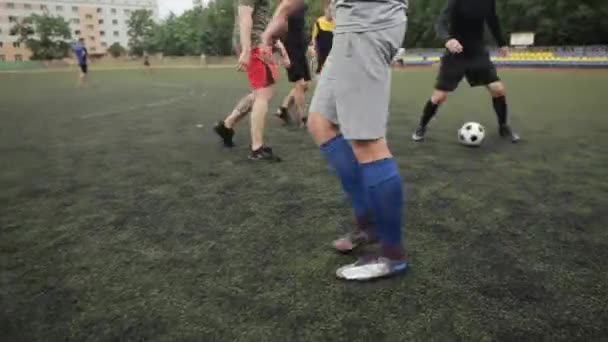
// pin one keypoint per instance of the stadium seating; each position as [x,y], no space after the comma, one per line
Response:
[594,57]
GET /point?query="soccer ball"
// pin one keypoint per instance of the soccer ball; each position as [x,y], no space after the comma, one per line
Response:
[471,134]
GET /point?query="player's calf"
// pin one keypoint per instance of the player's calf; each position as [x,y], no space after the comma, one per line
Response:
[259,151]
[499,102]
[429,111]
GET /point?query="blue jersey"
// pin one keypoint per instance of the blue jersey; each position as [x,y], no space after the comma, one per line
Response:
[81,53]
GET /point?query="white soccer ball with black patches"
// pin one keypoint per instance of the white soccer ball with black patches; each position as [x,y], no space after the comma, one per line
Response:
[471,134]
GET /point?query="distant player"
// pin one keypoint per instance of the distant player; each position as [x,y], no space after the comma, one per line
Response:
[147,63]
[323,36]
[348,118]
[461,25]
[262,72]
[298,72]
[81,54]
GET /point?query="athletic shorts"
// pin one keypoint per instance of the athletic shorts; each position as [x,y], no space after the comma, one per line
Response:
[354,89]
[262,71]
[478,69]
[299,69]
[84,68]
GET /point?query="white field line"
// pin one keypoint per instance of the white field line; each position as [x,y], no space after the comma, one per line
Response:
[159,103]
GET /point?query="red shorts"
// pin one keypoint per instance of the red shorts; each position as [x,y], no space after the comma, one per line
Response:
[262,72]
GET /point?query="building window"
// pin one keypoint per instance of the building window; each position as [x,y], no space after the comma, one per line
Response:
[91,38]
[89,16]
[12,19]
[74,8]
[127,12]
[100,21]
[16,44]
[104,44]
[75,21]
[90,27]
[116,33]
[2,58]
[102,33]
[43,7]
[10,5]
[77,32]
[99,10]
[1,44]
[113,10]
[18,58]
[59,8]
[93,49]
[27,6]
[114,22]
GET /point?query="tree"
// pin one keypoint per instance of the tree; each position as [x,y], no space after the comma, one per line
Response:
[116,50]
[46,36]
[218,31]
[210,29]
[141,29]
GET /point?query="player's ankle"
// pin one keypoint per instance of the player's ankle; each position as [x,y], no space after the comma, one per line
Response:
[394,252]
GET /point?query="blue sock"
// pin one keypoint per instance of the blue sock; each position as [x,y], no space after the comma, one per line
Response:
[385,197]
[340,155]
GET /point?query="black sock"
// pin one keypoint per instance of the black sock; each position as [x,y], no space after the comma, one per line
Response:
[500,106]
[430,109]
[224,128]
[283,111]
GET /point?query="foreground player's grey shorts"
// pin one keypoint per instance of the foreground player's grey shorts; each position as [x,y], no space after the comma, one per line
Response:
[355,85]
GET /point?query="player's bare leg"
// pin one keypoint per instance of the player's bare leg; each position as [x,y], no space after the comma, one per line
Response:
[300,100]
[283,111]
[430,110]
[259,151]
[321,130]
[242,108]
[258,116]
[499,101]
[225,128]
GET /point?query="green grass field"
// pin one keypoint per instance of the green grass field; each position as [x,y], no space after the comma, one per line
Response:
[121,220]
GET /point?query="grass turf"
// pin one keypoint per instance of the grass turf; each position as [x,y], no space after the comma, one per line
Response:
[123,220]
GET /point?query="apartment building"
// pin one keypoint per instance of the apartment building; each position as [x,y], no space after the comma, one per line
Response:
[100,22]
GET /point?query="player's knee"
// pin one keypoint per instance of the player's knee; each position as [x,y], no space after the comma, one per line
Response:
[320,128]
[262,94]
[371,150]
[439,97]
[302,85]
[497,89]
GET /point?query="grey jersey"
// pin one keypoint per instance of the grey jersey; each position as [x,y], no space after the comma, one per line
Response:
[363,16]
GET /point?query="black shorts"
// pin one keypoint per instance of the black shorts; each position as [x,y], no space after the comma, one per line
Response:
[146,63]
[299,69]
[84,68]
[478,70]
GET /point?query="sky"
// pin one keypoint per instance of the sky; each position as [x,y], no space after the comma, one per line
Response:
[177,6]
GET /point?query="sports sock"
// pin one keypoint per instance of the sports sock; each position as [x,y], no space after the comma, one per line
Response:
[340,155]
[500,106]
[430,109]
[385,197]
